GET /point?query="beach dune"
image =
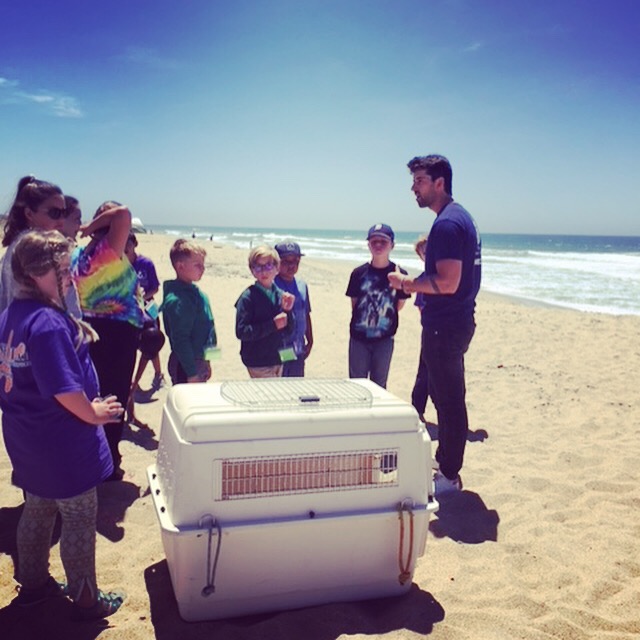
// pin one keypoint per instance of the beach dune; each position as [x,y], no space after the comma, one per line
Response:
[544,541]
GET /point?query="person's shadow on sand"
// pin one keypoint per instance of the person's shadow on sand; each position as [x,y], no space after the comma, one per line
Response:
[143,437]
[50,619]
[416,611]
[114,498]
[464,517]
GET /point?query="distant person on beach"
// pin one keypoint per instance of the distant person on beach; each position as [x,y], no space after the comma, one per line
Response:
[264,317]
[374,309]
[420,392]
[301,339]
[38,205]
[111,301]
[52,422]
[450,282]
[188,320]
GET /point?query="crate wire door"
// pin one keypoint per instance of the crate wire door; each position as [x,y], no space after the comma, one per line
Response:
[310,473]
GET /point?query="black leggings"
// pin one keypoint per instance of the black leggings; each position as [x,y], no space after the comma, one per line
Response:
[114,357]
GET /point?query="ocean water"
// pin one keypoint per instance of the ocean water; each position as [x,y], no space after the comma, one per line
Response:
[587,273]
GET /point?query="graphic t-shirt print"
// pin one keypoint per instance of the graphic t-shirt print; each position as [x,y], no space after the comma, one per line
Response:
[11,357]
[376,309]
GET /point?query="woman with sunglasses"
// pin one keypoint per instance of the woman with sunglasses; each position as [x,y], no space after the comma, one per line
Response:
[38,205]
[111,301]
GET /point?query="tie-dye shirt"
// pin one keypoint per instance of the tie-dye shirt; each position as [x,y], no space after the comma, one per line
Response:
[107,284]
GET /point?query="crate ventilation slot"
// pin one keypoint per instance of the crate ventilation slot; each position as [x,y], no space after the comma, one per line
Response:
[289,393]
[310,473]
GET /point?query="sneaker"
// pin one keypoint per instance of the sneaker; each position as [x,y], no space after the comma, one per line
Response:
[106,605]
[50,589]
[158,382]
[444,485]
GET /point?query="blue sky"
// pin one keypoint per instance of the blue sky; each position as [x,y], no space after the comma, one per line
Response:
[294,113]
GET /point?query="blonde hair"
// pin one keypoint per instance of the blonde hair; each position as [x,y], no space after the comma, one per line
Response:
[35,254]
[264,251]
[185,249]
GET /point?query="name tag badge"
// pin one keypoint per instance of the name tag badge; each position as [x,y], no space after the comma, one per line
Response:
[287,355]
[152,309]
[212,353]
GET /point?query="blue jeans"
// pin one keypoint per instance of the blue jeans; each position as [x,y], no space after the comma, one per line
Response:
[370,359]
[443,352]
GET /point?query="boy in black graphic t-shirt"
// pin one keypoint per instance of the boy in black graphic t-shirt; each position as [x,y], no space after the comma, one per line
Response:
[375,306]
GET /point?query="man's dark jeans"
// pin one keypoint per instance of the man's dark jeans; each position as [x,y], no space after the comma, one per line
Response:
[443,352]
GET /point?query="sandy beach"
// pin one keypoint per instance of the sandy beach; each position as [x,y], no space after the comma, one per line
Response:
[544,541]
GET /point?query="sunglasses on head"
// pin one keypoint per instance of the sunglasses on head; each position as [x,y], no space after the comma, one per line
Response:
[55,213]
[259,268]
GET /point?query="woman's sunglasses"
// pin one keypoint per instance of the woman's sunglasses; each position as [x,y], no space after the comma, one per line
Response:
[55,213]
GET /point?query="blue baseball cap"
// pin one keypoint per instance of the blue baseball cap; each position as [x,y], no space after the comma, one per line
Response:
[381,230]
[288,248]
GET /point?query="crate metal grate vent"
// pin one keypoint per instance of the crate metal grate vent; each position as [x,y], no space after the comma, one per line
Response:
[314,473]
[289,393]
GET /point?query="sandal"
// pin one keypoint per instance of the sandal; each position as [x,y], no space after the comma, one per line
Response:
[106,605]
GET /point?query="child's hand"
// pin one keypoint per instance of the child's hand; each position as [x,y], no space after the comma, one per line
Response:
[287,301]
[280,320]
[107,409]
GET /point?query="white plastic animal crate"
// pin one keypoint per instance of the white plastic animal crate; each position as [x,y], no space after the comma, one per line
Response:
[282,493]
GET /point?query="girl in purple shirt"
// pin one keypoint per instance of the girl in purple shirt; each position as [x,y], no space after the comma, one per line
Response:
[52,430]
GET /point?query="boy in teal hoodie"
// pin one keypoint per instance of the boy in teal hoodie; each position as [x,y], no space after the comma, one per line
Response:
[188,321]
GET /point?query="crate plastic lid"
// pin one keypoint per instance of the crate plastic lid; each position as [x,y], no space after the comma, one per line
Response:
[268,407]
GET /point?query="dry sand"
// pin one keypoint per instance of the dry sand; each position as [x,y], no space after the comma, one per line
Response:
[544,542]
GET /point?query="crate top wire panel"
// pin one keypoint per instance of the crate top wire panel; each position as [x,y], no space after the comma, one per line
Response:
[279,394]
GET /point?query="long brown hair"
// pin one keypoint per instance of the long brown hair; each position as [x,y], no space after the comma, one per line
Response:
[31,193]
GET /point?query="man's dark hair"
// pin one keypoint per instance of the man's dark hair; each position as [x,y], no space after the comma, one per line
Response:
[435,167]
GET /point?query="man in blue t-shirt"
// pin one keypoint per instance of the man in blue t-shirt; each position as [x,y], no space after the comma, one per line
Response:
[301,340]
[450,282]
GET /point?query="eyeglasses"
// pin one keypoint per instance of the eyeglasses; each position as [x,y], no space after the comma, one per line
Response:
[260,268]
[379,240]
[290,261]
[55,213]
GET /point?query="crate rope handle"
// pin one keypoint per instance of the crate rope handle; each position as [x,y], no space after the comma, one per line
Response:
[405,573]
[211,522]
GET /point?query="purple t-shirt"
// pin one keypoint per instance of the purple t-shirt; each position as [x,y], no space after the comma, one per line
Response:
[147,276]
[54,454]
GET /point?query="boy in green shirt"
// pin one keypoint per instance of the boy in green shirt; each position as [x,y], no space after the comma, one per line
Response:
[188,321]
